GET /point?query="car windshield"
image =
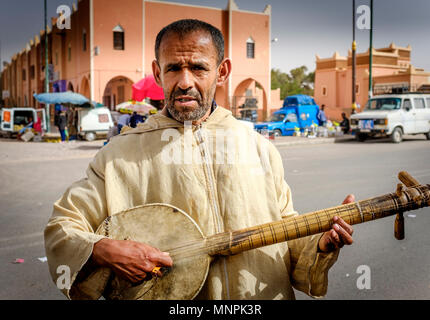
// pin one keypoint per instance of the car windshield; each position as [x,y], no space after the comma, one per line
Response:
[278,117]
[383,104]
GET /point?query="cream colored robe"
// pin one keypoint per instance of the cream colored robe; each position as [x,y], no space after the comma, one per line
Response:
[233,188]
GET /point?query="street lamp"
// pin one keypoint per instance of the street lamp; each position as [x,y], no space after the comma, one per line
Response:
[47,115]
[354,60]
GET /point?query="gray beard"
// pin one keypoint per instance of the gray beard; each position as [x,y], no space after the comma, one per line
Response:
[188,116]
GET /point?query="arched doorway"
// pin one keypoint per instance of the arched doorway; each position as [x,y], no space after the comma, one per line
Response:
[70,87]
[117,90]
[250,101]
[85,87]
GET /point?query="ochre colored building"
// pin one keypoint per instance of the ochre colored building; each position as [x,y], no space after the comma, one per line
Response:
[110,46]
[391,69]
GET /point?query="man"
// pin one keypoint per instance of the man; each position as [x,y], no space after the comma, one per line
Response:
[123,120]
[322,119]
[136,119]
[345,123]
[135,169]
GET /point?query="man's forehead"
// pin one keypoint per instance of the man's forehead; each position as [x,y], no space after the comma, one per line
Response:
[196,41]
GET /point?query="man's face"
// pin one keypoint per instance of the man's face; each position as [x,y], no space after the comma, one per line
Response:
[187,70]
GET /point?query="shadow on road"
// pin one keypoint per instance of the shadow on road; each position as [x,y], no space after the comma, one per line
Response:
[351,140]
[91,147]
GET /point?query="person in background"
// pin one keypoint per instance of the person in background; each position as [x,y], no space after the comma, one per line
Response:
[123,120]
[113,131]
[62,125]
[72,123]
[321,117]
[345,123]
[135,119]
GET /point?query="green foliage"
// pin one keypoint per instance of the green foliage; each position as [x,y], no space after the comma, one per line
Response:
[298,81]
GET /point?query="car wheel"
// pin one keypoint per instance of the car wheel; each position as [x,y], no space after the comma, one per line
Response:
[277,133]
[90,136]
[397,135]
[361,137]
[428,135]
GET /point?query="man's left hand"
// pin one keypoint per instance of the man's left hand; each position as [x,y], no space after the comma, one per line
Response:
[339,235]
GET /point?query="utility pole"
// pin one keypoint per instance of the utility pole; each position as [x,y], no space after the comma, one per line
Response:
[47,115]
[371,50]
[354,62]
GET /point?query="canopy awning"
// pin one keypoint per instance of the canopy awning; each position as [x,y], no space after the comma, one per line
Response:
[61,97]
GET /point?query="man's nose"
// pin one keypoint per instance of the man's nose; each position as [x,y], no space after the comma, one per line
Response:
[185,80]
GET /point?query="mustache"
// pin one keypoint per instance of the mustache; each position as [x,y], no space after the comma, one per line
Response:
[187,92]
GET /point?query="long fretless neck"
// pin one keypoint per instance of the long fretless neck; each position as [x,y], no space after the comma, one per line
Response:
[406,199]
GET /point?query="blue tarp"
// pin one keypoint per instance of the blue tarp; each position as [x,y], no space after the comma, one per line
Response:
[61,97]
[298,100]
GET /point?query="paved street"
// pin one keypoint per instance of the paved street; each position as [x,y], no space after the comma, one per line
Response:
[34,175]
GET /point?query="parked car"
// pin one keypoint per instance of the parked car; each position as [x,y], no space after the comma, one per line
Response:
[14,119]
[393,115]
[298,111]
[94,123]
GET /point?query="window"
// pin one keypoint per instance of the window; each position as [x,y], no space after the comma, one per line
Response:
[118,38]
[32,73]
[56,58]
[428,102]
[324,90]
[291,117]
[84,40]
[250,48]
[357,89]
[419,103]
[407,104]
[23,75]
[384,104]
[103,118]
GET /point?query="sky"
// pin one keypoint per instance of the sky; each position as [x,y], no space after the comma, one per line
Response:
[303,28]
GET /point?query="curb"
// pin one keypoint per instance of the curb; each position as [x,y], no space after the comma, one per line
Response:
[310,141]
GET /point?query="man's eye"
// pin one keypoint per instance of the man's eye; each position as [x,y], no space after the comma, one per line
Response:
[199,68]
[174,68]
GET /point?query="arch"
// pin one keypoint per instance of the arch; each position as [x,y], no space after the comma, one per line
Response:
[117,90]
[85,87]
[70,87]
[248,94]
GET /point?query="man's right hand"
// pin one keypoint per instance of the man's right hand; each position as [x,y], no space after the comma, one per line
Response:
[130,260]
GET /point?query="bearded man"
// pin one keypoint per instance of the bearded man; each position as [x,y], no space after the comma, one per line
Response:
[217,190]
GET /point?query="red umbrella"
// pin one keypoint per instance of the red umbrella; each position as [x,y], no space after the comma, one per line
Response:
[147,88]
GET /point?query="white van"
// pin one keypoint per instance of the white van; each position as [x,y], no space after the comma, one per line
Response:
[94,123]
[14,119]
[393,115]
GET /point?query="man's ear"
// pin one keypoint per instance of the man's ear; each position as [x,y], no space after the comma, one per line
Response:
[224,70]
[156,72]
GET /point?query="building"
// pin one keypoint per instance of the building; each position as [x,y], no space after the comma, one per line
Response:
[391,70]
[109,47]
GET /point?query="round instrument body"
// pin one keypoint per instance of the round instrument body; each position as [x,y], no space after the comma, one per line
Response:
[164,227]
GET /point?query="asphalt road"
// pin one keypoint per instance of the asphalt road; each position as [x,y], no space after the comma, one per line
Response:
[33,176]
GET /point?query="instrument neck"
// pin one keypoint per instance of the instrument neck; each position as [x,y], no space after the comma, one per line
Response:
[304,225]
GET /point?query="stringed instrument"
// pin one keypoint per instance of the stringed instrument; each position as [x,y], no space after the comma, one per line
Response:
[192,251]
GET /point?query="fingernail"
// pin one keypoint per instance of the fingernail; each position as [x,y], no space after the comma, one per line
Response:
[336,226]
[335,218]
[166,253]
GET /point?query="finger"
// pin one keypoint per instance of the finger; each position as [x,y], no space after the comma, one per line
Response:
[335,239]
[347,227]
[161,258]
[349,199]
[345,237]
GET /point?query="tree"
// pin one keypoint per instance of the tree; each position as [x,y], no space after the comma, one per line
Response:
[298,81]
